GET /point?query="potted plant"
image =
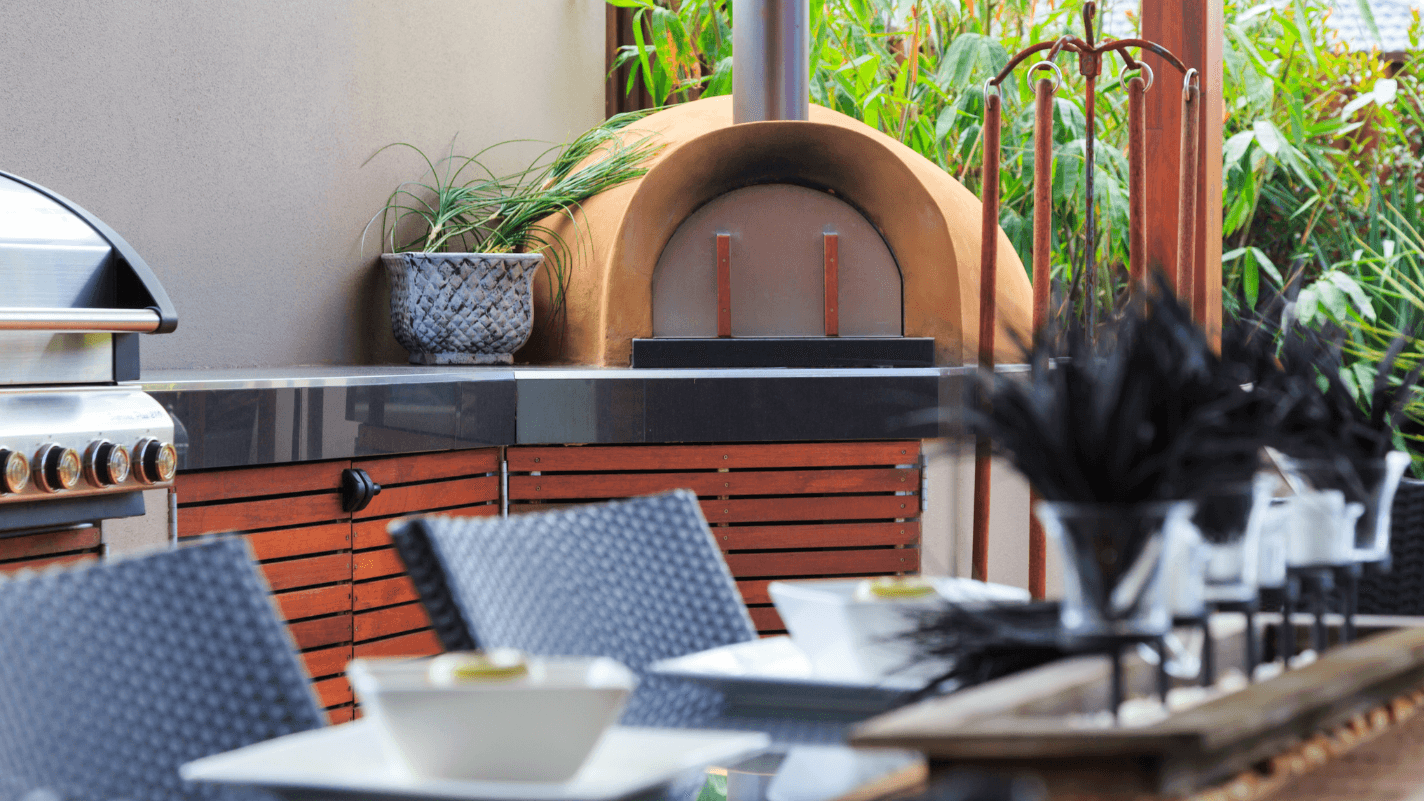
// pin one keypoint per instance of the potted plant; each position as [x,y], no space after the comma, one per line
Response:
[465,243]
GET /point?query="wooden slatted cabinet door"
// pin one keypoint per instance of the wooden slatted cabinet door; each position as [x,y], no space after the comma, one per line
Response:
[778,511]
[291,517]
[389,619]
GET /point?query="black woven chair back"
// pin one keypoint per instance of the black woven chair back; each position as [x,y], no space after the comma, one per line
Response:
[637,580]
[113,675]
[1401,590]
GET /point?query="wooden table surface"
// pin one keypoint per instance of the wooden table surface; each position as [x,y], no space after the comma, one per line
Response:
[1388,768]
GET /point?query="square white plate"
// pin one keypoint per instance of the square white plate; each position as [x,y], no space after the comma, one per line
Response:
[339,761]
[773,673]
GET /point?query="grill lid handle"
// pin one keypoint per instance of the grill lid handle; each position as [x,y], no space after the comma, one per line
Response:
[34,318]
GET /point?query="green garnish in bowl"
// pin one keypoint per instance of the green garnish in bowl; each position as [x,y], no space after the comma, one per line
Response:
[499,664]
[898,587]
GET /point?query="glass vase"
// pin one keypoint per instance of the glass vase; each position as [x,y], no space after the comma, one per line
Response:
[1113,567]
[1231,522]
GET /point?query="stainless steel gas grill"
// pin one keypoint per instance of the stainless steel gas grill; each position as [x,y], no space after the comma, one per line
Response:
[75,446]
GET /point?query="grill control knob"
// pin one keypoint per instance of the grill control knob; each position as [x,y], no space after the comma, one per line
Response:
[153,461]
[56,468]
[14,471]
[106,464]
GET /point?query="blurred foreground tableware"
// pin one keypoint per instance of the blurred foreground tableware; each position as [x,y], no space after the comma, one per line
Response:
[354,759]
[1321,528]
[852,634]
[1231,522]
[492,717]
[1114,582]
[773,674]
[1381,483]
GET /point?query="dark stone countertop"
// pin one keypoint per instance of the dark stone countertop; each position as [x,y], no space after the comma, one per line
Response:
[259,416]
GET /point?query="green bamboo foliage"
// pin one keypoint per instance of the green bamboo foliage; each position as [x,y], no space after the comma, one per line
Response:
[1309,124]
[1312,129]
[915,70]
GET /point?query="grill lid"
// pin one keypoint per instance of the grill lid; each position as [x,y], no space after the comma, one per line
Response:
[67,277]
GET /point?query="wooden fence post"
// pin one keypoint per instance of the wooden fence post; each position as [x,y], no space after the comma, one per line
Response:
[1194,30]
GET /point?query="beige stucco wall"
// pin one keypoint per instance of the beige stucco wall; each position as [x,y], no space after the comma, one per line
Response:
[224,140]
[948,523]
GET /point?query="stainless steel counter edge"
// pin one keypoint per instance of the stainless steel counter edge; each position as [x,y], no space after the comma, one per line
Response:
[231,418]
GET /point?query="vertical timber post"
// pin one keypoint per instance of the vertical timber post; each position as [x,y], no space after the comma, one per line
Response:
[1194,30]
[1045,91]
[988,305]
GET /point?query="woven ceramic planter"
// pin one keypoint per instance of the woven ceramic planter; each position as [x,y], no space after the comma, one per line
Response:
[462,308]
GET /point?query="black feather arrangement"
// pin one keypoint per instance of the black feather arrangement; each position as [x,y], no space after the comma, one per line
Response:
[1335,437]
[1331,422]
[1145,412]
[1148,412]
[985,641]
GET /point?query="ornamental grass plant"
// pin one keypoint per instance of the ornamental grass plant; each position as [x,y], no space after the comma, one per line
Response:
[460,205]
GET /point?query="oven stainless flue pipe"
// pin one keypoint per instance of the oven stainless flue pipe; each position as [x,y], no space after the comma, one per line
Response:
[771,52]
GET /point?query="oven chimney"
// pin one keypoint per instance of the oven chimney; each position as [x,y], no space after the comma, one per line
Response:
[771,47]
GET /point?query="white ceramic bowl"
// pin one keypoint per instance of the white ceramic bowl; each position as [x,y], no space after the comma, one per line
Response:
[538,727]
[848,638]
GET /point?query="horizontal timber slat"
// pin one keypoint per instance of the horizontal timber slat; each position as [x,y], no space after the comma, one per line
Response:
[367,565]
[300,604]
[340,714]
[307,572]
[372,533]
[384,592]
[434,495]
[824,563]
[333,691]
[327,661]
[303,541]
[766,619]
[777,482]
[420,643]
[249,482]
[841,507]
[430,466]
[33,545]
[608,458]
[809,508]
[819,535]
[41,563]
[385,622]
[754,591]
[249,515]
[321,631]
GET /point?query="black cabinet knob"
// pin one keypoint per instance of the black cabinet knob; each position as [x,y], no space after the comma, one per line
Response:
[357,489]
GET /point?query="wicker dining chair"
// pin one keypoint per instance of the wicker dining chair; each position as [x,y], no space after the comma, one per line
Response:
[113,675]
[636,580]
[1400,591]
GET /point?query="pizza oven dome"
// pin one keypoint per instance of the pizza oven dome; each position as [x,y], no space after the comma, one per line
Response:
[927,222]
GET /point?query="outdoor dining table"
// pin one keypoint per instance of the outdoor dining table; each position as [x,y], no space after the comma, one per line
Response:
[801,773]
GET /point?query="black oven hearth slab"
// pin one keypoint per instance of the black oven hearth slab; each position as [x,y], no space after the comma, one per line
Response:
[811,352]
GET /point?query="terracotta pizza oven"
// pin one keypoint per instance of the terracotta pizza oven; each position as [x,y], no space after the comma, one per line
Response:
[761,241]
